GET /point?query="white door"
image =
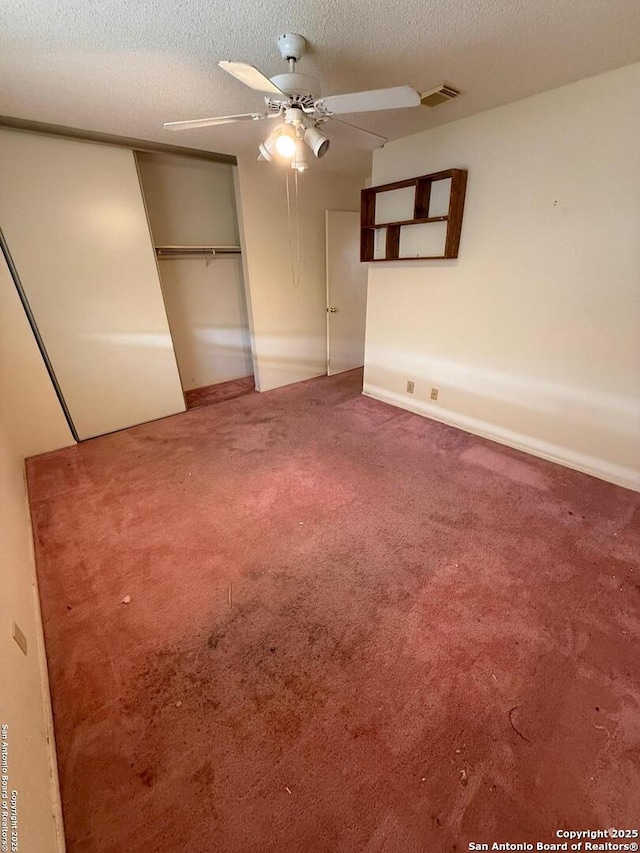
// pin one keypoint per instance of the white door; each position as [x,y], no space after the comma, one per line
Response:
[74,220]
[346,292]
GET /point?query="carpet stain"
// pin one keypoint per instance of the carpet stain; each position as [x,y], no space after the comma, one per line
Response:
[503,463]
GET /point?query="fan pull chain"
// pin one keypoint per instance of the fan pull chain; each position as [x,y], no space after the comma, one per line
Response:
[297,224]
[295,277]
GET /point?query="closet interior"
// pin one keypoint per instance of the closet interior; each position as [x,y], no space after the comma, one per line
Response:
[192,216]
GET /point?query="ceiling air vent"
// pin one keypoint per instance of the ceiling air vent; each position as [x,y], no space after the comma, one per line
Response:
[437,96]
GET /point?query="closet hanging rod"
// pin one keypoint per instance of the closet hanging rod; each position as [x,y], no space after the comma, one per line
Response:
[195,251]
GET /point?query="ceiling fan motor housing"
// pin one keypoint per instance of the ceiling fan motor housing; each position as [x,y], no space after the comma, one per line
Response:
[297,84]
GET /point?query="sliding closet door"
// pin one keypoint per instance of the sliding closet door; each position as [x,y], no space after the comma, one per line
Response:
[74,220]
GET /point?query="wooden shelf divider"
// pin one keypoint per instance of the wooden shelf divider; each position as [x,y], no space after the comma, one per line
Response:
[393,242]
[422,200]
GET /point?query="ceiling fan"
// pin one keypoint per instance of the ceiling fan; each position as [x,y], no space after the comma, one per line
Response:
[295,99]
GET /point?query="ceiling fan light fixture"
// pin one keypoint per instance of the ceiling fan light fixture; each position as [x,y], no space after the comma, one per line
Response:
[286,141]
[316,141]
[263,154]
[299,160]
[267,147]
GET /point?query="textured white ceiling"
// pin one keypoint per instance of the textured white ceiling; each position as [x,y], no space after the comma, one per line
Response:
[125,67]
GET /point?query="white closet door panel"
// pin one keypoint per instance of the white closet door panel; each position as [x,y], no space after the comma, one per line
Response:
[74,219]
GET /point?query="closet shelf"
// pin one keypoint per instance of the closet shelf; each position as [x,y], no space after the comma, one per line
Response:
[195,251]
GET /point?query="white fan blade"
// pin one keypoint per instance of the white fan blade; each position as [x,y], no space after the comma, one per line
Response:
[354,135]
[250,76]
[210,122]
[376,99]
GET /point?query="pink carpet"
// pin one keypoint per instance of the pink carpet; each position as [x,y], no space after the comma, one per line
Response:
[349,629]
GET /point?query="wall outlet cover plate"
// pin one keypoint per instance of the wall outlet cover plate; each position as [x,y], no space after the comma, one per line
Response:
[19,637]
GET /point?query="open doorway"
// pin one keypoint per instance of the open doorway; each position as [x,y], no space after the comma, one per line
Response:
[192,216]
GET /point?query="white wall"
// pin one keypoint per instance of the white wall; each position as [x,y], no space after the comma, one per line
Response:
[208,319]
[189,201]
[74,220]
[287,299]
[533,334]
[192,202]
[31,421]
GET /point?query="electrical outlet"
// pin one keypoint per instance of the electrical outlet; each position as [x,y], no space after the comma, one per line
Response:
[434,393]
[410,386]
[19,637]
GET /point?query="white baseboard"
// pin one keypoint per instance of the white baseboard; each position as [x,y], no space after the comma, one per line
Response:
[600,468]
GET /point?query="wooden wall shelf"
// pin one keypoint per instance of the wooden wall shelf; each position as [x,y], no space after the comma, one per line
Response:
[421,203]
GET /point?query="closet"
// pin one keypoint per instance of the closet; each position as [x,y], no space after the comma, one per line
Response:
[121,346]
